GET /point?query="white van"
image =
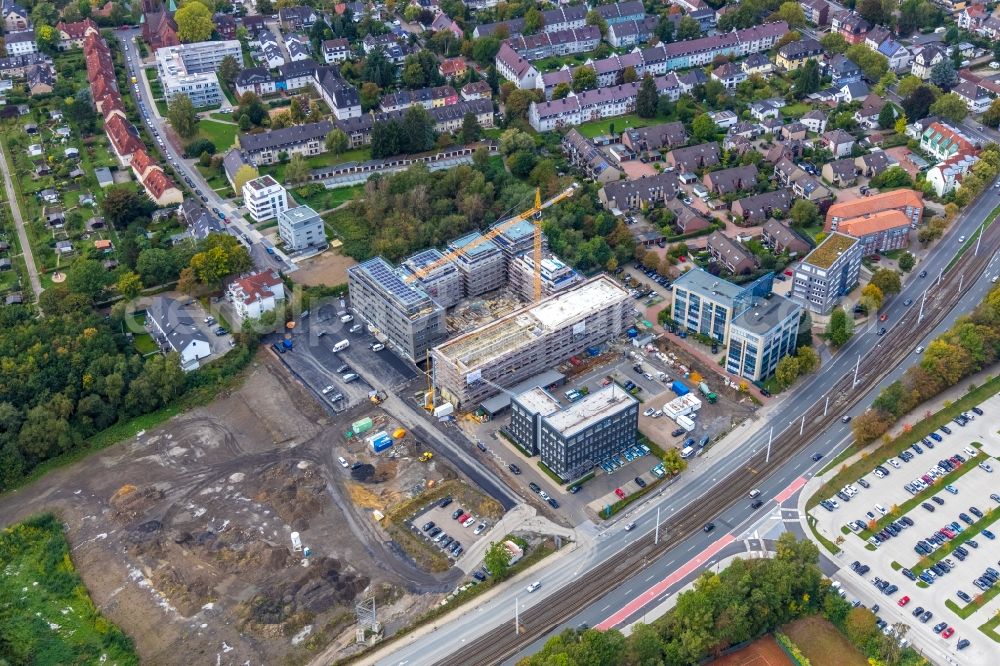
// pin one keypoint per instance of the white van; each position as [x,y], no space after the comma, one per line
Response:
[350,377]
[687,452]
[346,318]
[342,345]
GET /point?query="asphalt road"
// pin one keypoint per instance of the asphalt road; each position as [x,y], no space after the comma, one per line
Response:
[591,558]
[237,225]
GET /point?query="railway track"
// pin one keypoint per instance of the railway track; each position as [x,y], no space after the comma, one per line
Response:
[537,621]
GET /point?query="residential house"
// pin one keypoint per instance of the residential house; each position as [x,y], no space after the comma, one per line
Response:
[793,131]
[299,48]
[793,55]
[640,193]
[879,232]
[161,189]
[264,198]
[900,58]
[621,12]
[724,118]
[442,22]
[874,162]
[583,154]
[764,109]
[255,294]
[451,68]
[298,74]
[838,142]
[647,142]
[729,74]
[306,140]
[294,19]
[225,25]
[15,17]
[257,80]
[174,329]
[476,90]
[731,181]
[336,50]
[925,59]
[559,43]
[971,18]
[842,173]
[944,141]
[631,33]
[548,81]
[850,25]
[71,35]
[427,98]
[694,158]
[781,238]
[876,36]
[730,254]
[40,79]
[21,43]
[815,121]
[947,175]
[231,163]
[757,208]
[270,52]
[757,63]
[867,115]
[686,221]
[975,98]
[852,92]
[342,98]
[200,221]
[817,11]
[843,70]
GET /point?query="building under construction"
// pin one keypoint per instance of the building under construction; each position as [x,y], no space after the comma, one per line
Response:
[440,280]
[480,262]
[556,275]
[409,319]
[475,365]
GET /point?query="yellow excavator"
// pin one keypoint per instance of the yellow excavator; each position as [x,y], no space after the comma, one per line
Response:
[425,456]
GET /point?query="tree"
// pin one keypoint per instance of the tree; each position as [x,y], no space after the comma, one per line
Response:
[804,213]
[918,103]
[871,11]
[887,116]
[413,75]
[519,101]
[194,22]
[808,360]
[834,42]
[908,84]
[86,277]
[418,130]
[584,78]
[950,107]
[646,99]
[181,114]
[992,116]
[873,65]
[199,146]
[220,255]
[872,297]
[297,169]
[943,74]
[629,75]
[121,206]
[887,280]
[371,96]
[792,14]
[595,19]
[890,178]
[79,110]
[807,79]
[805,336]
[906,262]
[485,50]
[860,626]
[672,461]
[533,21]
[229,69]
[378,69]
[840,328]
[687,28]
[129,285]
[787,371]
[470,129]
[243,175]
[156,266]
[336,141]
[514,139]
[703,128]
[497,560]
[521,163]
[563,90]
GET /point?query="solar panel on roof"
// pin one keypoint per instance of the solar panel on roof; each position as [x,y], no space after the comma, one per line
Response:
[389,280]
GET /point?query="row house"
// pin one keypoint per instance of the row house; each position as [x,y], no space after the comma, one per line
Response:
[297,75]
[446,119]
[647,142]
[944,141]
[428,98]
[515,68]
[850,25]
[70,35]
[842,173]
[758,208]
[558,43]
[306,140]
[730,181]
[590,105]
[642,192]
[553,20]
[610,70]
[731,255]
[548,81]
[621,12]
[269,49]
[17,66]
[631,33]
[257,80]
[476,90]
[781,238]
[584,155]
[694,158]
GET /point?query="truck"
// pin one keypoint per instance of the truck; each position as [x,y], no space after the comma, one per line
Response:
[341,346]
[707,392]
[678,387]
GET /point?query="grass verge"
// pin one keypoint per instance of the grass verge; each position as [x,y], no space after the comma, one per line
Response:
[946,549]
[829,545]
[634,497]
[974,238]
[977,603]
[920,430]
[549,473]
[56,622]
[990,628]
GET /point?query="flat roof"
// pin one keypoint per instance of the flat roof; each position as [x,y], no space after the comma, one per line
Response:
[584,413]
[520,327]
[701,281]
[383,274]
[829,250]
[298,215]
[501,401]
[481,247]
[766,315]
[539,401]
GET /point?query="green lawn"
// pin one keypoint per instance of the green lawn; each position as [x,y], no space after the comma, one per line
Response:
[48,615]
[320,161]
[323,199]
[144,344]
[599,127]
[223,135]
[795,110]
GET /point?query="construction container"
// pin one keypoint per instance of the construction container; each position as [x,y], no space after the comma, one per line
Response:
[398,433]
[679,388]
[685,422]
[446,409]
[381,443]
[364,425]
[594,351]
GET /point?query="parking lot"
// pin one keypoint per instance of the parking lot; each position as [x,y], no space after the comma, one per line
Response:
[445,524]
[944,552]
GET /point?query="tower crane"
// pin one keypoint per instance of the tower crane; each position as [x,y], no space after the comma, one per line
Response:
[533,214]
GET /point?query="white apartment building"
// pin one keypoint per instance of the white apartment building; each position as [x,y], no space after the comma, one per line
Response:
[190,69]
[255,294]
[201,56]
[265,198]
[300,227]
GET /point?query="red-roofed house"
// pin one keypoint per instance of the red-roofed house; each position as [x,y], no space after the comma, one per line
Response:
[161,189]
[142,163]
[256,294]
[71,35]
[110,104]
[452,67]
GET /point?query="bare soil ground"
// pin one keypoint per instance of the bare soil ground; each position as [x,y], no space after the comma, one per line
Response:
[182,535]
[329,268]
[822,643]
[762,652]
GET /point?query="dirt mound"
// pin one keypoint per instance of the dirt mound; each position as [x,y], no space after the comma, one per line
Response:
[296,494]
[186,592]
[130,502]
[363,473]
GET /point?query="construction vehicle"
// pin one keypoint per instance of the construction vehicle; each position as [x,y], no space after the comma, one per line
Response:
[425,456]
[707,392]
[377,397]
